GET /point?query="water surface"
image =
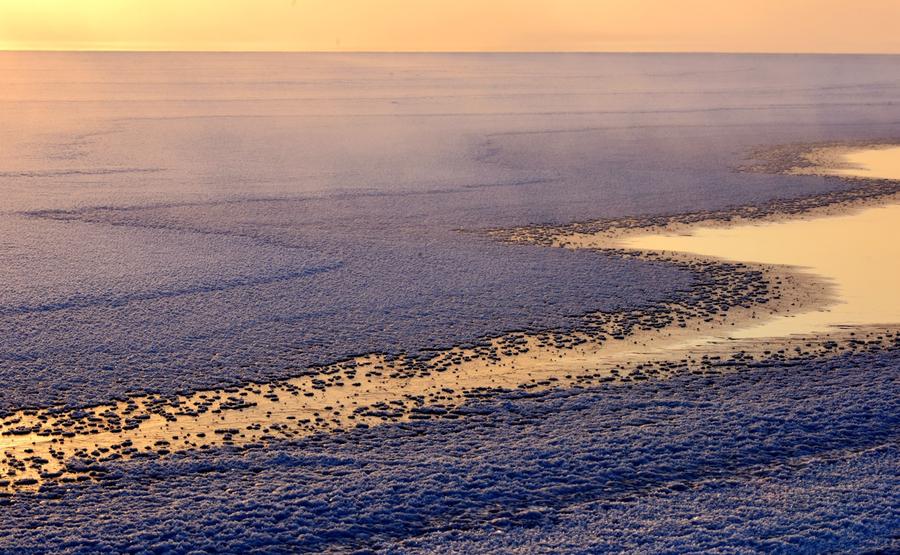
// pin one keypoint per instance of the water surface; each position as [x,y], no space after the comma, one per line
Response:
[857,253]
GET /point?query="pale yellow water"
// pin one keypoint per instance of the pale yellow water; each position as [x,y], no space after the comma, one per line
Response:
[877,163]
[859,253]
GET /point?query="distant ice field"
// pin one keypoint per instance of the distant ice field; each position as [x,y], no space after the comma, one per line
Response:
[172,222]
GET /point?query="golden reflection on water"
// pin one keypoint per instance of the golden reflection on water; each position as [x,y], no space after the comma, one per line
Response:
[859,252]
[879,163]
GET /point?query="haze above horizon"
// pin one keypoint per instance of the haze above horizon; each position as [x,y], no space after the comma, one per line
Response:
[764,26]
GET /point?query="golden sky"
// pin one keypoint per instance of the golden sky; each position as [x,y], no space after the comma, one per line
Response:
[466,25]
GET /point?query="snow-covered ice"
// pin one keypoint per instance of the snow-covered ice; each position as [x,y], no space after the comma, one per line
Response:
[175,222]
[791,459]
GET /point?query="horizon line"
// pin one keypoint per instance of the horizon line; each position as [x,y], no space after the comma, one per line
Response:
[202,51]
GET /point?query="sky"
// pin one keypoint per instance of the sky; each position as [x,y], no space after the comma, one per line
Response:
[865,26]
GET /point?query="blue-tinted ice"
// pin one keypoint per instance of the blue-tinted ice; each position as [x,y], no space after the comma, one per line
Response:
[172,222]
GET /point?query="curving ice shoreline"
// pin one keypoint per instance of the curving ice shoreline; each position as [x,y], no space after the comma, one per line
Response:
[757,303]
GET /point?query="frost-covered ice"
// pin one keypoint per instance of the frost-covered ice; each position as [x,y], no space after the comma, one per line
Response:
[777,459]
[174,222]
[184,216]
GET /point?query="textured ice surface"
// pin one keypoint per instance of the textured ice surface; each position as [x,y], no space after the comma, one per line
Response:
[176,221]
[792,459]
